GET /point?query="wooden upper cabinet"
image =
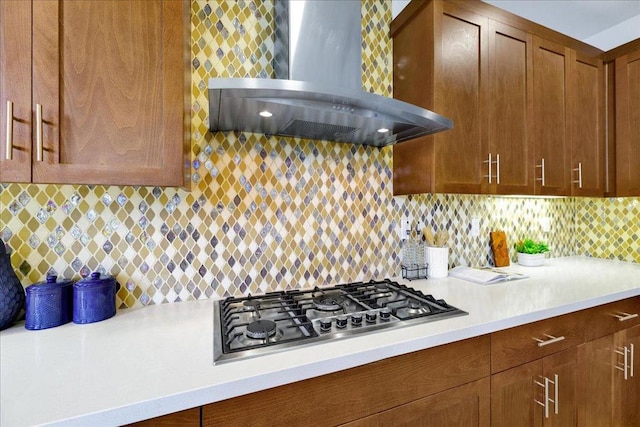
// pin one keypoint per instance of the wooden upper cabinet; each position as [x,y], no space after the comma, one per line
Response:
[461,71]
[15,91]
[587,106]
[109,79]
[551,64]
[627,96]
[510,111]
[479,73]
[443,52]
[528,111]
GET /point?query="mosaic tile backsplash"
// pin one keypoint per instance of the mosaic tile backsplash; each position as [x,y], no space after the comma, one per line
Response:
[271,213]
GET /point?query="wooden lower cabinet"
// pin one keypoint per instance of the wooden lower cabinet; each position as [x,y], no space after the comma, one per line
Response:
[498,379]
[611,397]
[544,392]
[464,406]
[352,394]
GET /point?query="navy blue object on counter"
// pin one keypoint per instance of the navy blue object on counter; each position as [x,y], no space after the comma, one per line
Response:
[49,303]
[11,291]
[94,298]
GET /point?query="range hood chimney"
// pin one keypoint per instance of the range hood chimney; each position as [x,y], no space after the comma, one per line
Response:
[317,92]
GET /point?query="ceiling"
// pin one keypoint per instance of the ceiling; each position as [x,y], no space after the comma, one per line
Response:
[605,24]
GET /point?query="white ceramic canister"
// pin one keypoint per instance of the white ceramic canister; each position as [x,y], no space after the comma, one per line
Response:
[438,262]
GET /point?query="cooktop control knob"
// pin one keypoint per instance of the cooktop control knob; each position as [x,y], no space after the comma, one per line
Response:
[371,317]
[341,322]
[385,314]
[356,319]
[325,325]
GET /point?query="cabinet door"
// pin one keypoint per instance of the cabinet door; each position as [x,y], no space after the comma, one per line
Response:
[466,405]
[413,68]
[109,77]
[563,369]
[587,113]
[627,124]
[460,76]
[597,368]
[15,88]
[511,110]
[551,63]
[513,396]
[627,391]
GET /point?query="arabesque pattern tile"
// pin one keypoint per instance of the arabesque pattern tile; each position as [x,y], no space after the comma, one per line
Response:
[271,213]
[609,228]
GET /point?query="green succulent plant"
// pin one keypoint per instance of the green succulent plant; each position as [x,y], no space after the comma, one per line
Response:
[528,246]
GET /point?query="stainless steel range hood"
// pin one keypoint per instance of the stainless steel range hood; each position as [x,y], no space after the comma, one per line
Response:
[317,90]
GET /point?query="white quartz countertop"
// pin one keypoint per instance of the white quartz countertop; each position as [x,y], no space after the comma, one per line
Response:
[156,360]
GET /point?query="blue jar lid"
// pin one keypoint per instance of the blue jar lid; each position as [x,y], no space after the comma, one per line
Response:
[96,279]
[51,284]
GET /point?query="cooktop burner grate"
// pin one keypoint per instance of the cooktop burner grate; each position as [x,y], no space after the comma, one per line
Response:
[254,325]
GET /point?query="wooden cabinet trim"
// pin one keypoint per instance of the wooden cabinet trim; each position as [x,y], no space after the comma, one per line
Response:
[499,15]
[186,418]
[630,47]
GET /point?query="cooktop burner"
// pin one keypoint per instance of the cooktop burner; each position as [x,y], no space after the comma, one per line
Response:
[254,325]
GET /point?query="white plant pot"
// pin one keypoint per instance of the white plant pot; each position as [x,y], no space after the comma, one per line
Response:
[531,260]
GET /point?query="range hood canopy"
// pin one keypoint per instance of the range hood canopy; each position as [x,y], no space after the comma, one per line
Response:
[317,93]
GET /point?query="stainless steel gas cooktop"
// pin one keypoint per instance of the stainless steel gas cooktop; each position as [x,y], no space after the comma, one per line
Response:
[255,325]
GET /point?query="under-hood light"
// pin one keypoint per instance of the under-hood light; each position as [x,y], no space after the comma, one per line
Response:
[265,113]
[383,130]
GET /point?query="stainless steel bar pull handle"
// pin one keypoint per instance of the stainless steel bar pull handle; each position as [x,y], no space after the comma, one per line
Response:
[556,404]
[545,402]
[579,170]
[624,352]
[551,340]
[9,153]
[625,316]
[488,162]
[541,166]
[547,398]
[632,359]
[39,132]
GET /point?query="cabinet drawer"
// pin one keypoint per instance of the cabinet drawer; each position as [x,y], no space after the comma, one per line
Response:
[610,318]
[515,346]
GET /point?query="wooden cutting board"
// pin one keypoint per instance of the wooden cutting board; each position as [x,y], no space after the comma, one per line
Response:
[499,248]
